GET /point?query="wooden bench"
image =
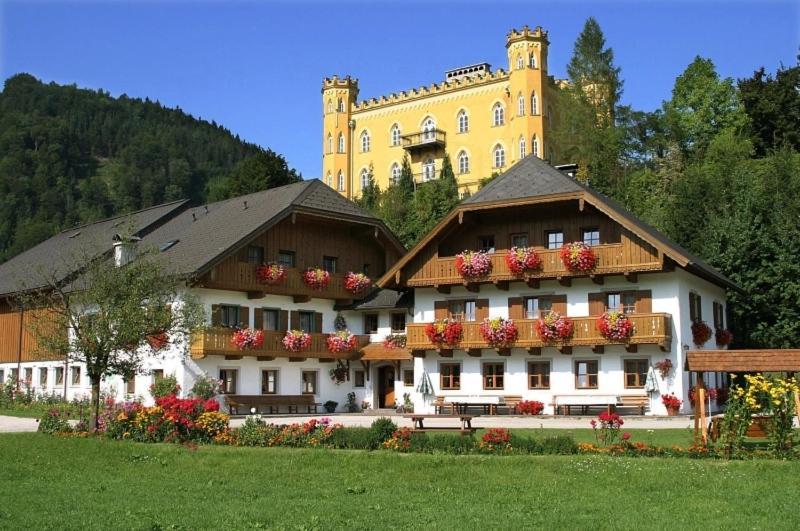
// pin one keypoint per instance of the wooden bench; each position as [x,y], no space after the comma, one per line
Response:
[271,403]
[565,403]
[439,405]
[511,402]
[419,426]
[639,402]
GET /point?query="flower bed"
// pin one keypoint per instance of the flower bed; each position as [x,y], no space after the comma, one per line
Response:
[523,260]
[356,283]
[578,257]
[341,341]
[723,337]
[473,264]
[296,340]
[615,326]
[495,440]
[316,278]
[554,327]
[701,333]
[499,332]
[530,407]
[247,339]
[271,274]
[444,332]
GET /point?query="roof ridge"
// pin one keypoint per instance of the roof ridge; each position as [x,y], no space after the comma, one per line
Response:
[118,216]
[241,197]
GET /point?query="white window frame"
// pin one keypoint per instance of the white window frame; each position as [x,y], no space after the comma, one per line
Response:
[498,115]
[499,156]
[463,163]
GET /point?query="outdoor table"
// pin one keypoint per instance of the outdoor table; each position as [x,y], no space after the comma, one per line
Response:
[461,403]
[584,401]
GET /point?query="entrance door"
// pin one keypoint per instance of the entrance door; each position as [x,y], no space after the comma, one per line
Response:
[386,386]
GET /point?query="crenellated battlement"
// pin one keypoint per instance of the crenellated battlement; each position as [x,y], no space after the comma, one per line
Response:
[526,33]
[346,82]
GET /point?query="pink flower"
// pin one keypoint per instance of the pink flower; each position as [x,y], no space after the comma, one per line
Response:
[626,436]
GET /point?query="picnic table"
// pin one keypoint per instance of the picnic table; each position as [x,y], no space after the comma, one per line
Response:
[585,401]
[419,422]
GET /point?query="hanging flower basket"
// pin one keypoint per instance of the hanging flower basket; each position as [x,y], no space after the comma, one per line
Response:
[701,333]
[523,260]
[664,367]
[356,283]
[157,340]
[723,337]
[499,332]
[316,278]
[339,373]
[271,274]
[473,264]
[341,341]
[444,332]
[296,340]
[394,341]
[578,257]
[247,339]
[554,327]
[615,326]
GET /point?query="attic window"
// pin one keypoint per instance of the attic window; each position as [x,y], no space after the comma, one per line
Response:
[168,245]
[74,235]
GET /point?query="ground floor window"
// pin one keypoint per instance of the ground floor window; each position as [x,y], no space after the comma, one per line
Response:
[309,382]
[228,379]
[408,377]
[29,375]
[43,376]
[14,374]
[586,374]
[539,375]
[493,375]
[358,378]
[450,376]
[269,382]
[636,373]
[59,375]
[75,375]
[2,376]
[130,385]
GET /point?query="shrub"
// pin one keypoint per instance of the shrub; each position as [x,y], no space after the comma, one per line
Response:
[252,433]
[400,441]
[382,429]
[168,385]
[330,406]
[525,445]
[54,421]
[530,407]
[447,443]
[206,387]
[495,440]
[353,439]
[558,445]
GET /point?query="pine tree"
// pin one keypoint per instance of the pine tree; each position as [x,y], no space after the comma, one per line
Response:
[434,199]
[370,195]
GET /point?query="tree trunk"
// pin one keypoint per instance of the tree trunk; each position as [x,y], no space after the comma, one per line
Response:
[95,421]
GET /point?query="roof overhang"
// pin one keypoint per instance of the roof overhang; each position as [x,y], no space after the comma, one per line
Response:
[753,360]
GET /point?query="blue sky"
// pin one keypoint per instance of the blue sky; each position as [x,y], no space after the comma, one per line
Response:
[256,67]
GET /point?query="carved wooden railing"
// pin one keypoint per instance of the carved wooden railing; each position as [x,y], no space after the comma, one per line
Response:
[241,276]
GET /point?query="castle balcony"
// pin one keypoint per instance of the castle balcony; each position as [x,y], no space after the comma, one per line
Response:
[434,138]
[649,329]
[217,342]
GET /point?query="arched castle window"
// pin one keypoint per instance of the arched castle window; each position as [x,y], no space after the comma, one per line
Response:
[534,103]
[520,105]
[329,108]
[394,135]
[521,147]
[341,143]
[533,60]
[428,129]
[535,146]
[329,144]
[463,162]
[499,156]
[429,170]
[463,121]
[498,114]
[520,62]
[340,105]
[340,181]
[329,179]
[364,142]
[364,178]
[394,174]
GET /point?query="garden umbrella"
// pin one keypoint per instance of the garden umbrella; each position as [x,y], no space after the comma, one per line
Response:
[425,386]
[651,383]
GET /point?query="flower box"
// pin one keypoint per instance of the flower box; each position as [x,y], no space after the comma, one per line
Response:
[341,341]
[394,341]
[296,340]
[444,332]
[271,274]
[247,339]
[499,332]
[523,259]
[578,257]
[554,327]
[316,278]
[356,283]
[473,264]
[701,333]
[723,337]
[615,326]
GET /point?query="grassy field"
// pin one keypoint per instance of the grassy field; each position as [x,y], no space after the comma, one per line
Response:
[99,484]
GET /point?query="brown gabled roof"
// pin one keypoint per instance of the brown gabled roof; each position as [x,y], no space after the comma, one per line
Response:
[532,180]
[765,360]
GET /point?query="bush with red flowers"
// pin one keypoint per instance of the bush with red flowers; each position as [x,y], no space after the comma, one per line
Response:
[296,340]
[606,427]
[444,332]
[316,278]
[247,339]
[271,274]
[578,257]
[495,440]
[615,326]
[530,407]
[554,327]
[356,283]
[341,341]
[701,333]
[499,332]
[473,264]
[523,259]
[671,402]
[723,337]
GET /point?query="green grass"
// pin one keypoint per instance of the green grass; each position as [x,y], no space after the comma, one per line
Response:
[661,437]
[37,409]
[99,484]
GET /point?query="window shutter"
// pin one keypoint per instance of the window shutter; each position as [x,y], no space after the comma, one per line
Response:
[317,323]
[283,324]
[515,309]
[440,309]
[294,320]
[597,303]
[216,315]
[481,309]
[258,319]
[244,316]
[644,301]
[559,304]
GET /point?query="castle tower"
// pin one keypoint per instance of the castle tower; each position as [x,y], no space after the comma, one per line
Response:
[338,98]
[530,92]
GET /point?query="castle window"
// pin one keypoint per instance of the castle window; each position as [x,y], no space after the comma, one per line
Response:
[535,146]
[329,144]
[499,156]
[520,105]
[364,179]
[329,179]
[522,147]
[395,173]
[341,143]
[329,108]
[340,181]
[395,135]
[340,105]
[498,114]
[429,170]
[463,162]
[364,142]
[534,104]
[533,60]
[520,62]
[429,129]
[463,122]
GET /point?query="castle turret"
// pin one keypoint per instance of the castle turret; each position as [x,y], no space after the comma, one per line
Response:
[338,99]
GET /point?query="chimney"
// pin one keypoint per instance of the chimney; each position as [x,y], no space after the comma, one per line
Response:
[124,249]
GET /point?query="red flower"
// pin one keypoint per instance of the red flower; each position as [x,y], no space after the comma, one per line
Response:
[626,436]
[723,337]
[271,273]
[473,264]
[671,401]
[530,407]
[615,325]
[444,332]
[578,257]
[554,326]
[521,259]
[316,278]
[701,333]
[356,282]
[499,332]
[247,339]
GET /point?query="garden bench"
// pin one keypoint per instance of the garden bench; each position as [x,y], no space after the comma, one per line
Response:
[419,426]
[271,403]
[511,402]
[639,402]
[567,402]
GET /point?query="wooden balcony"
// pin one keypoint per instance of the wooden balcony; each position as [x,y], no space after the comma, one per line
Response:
[424,139]
[650,329]
[217,342]
[241,276]
[614,258]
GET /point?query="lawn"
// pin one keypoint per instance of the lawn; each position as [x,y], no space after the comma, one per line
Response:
[86,483]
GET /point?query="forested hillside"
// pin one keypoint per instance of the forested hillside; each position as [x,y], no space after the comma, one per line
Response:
[70,155]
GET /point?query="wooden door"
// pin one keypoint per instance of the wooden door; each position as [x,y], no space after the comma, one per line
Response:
[386,386]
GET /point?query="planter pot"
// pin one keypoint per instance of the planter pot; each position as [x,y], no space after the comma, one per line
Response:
[672,411]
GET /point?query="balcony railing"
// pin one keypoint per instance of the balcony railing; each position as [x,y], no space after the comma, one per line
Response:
[241,276]
[612,258]
[422,139]
[217,342]
[649,329]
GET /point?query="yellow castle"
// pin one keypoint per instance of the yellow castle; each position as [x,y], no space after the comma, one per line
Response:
[483,120]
